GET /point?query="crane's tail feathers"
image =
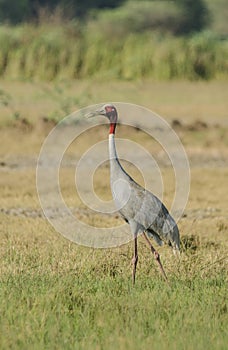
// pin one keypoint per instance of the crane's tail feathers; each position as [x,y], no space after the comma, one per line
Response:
[175,240]
[176,250]
[156,237]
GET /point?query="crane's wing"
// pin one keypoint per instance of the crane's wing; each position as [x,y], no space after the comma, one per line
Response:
[150,213]
[158,222]
[135,204]
[155,236]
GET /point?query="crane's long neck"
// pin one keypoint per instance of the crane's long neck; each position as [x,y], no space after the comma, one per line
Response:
[116,170]
[112,146]
[112,128]
[114,161]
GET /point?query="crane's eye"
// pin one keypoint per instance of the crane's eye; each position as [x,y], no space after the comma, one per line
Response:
[109,109]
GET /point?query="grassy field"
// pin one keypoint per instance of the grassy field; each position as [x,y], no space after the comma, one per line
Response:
[55,294]
[56,52]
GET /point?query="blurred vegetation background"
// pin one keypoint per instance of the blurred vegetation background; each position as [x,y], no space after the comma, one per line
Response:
[118,39]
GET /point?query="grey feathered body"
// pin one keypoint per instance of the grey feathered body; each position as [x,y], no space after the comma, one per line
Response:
[140,208]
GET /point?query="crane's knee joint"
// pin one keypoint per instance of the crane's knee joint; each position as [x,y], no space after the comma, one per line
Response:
[156,255]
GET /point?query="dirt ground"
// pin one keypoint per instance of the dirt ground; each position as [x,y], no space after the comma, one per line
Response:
[200,123]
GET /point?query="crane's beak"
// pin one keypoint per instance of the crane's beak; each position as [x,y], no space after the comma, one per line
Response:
[95,113]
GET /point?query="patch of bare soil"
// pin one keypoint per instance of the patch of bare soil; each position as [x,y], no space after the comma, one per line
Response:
[197,125]
[21,146]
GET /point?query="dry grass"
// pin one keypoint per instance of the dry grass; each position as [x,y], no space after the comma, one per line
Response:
[56,294]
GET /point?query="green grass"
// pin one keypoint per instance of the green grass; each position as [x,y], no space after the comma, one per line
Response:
[93,305]
[49,52]
[55,294]
[218,12]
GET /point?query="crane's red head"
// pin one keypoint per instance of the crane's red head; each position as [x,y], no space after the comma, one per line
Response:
[110,112]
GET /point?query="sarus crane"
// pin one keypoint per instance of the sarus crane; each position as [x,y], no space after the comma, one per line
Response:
[141,209]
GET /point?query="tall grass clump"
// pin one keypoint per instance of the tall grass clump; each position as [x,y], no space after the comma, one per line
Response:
[41,52]
[48,52]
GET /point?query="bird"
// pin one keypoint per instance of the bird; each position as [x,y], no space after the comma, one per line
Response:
[140,208]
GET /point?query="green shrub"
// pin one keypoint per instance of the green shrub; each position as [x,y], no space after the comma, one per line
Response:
[57,52]
[176,17]
[137,17]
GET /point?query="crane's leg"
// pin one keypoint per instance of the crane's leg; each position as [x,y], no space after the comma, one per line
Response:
[156,256]
[135,259]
